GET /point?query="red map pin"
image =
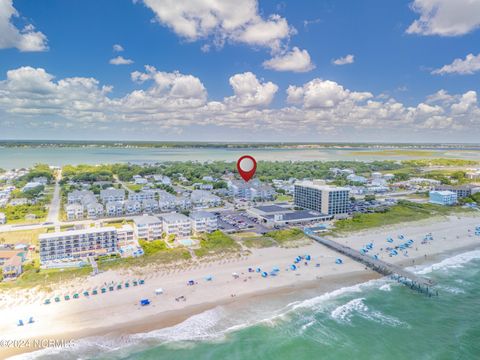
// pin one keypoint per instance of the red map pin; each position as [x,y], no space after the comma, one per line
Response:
[246,167]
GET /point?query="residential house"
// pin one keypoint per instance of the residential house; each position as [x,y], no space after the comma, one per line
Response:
[109,195]
[203,221]
[148,227]
[176,224]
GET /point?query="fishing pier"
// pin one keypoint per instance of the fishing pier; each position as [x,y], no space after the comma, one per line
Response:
[403,276]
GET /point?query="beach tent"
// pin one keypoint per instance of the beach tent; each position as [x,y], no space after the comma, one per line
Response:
[67,297]
[264,274]
[30,320]
[401,236]
[308,257]
[293,267]
[75,296]
[251,270]
[339,261]
[47,301]
[127,285]
[144,302]
[85,293]
[57,299]
[141,282]
[94,292]
[110,288]
[191,282]
[235,275]
[104,290]
[135,283]
[158,291]
[119,286]
[276,269]
[20,323]
[209,278]
[390,240]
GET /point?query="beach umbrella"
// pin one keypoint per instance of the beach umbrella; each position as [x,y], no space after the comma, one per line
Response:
[144,302]
[85,293]
[276,269]
[308,257]
[264,274]
[47,301]
[141,282]
[259,270]
[75,296]
[67,297]
[94,292]
[158,291]
[339,261]
[293,267]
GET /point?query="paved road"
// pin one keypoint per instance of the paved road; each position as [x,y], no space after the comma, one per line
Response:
[54,209]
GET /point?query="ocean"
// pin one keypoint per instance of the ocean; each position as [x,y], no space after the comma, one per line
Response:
[379,319]
[11,157]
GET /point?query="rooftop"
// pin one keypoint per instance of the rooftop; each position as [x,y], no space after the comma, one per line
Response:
[146,220]
[174,217]
[76,232]
[201,215]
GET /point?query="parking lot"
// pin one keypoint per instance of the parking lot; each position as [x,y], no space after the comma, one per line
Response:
[231,221]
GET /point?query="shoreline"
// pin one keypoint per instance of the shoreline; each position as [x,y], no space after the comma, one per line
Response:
[122,315]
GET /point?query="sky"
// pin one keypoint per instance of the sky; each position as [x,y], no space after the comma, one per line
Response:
[229,70]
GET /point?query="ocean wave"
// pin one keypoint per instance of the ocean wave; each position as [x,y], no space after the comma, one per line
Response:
[345,313]
[453,262]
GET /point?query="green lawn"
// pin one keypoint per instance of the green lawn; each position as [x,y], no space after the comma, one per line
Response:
[216,242]
[258,242]
[284,197]
[402,212]
[283,236]
[22,236]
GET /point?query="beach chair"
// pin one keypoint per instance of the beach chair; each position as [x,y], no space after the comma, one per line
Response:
[57,299]
[30,320]
[104,290]
[75,296]
[135,283]
[127,285]
[20,323]
[47,301]
[110,288]
[141,282]
[95,292]
[67,297]
[119,286]
[85,293]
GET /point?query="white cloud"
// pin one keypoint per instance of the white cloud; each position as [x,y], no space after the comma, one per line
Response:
[445,17]
[118,48]
[172,101]
[348,59]
[26,39]
[120,60]
[237,21]
[470,65]
[319,93]
[295,60]
[249,92]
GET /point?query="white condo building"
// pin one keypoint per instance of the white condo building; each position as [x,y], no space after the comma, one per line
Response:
[75,244]
[177,224]
[203,221]
[148,227]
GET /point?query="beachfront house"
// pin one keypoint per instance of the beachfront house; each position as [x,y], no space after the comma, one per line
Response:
[74,211]
[12,268]
[109,195]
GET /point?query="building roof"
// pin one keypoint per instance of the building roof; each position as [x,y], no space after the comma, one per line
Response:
[146,220]
[305,215]
[201,215]
[174,217]
[443,192]
[271,208]
[8,254]
[318,186]
[76,232]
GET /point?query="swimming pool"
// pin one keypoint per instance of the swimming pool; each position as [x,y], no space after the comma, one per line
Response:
[186,242]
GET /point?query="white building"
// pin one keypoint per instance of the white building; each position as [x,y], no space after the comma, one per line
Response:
[74,211]
[165,180]
[31,185]
[109,195]
[95,210]
[133,207]
[444,197]
[321,198]
[203,198]
[75,244]
[126,235]
[114,208]
[177,224]
[150,206]
[147,227]
[203,221]
[141,195]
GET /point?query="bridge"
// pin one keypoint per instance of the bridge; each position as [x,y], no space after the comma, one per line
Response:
[396,272]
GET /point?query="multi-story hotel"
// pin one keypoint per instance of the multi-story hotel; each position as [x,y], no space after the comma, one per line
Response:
[203,221]
[76,244]
[443,197]
[321,198]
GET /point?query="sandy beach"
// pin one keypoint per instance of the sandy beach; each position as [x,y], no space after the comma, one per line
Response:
[119,311]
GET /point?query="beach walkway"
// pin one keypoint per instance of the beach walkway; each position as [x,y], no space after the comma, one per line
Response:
[414,281]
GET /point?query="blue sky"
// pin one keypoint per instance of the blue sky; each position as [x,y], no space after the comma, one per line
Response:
[255,71]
